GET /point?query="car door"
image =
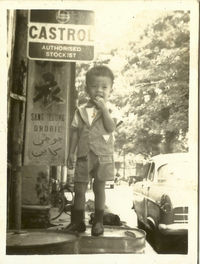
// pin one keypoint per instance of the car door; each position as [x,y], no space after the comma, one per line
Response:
[154,190]
[147,184]
[139,192]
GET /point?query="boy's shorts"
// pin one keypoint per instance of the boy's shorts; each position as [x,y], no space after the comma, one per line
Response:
[93,166]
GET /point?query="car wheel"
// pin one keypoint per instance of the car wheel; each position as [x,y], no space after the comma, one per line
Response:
[140,225]
[155,238]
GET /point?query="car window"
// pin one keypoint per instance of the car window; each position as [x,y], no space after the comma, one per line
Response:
[163,173]
[146,168]
[176,171]
[151,172]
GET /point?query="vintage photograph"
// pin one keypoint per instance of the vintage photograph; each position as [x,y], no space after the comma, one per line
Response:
[101,116]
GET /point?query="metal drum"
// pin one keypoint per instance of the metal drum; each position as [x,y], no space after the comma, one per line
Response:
[114,240]
[41,243]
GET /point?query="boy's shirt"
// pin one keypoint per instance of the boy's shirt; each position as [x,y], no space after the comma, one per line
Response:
[92,133]
[92,112]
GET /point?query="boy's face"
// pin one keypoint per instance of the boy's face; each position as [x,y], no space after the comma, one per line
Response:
[99,86]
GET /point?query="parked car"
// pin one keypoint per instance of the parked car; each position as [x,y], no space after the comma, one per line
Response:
[134,179]
[161,199]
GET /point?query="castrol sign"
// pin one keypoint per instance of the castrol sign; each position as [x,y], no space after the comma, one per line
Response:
[61,35]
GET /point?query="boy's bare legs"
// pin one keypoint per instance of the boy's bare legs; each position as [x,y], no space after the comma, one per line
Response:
[78,210]
[99,193]
[80,189]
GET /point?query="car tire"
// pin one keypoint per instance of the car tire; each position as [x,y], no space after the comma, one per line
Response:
[140,225]
[155,238]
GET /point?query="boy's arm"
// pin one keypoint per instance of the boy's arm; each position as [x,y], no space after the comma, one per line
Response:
[108,121]
[72,149]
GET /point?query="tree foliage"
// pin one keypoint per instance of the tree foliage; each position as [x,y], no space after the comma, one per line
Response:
[157,71]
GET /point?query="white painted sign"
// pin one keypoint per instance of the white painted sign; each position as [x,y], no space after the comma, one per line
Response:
[61,35]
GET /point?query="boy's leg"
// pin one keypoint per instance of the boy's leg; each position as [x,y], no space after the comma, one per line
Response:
[80,189]
[78,209]
[99,193]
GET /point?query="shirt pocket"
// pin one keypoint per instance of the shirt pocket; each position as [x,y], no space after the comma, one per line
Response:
[81,170]
[106,168]
[105,159]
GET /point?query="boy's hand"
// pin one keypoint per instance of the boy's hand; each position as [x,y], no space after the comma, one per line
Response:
[100,103]
[108,121]
[71,161]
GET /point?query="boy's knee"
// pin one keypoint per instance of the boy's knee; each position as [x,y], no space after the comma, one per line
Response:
[98,187]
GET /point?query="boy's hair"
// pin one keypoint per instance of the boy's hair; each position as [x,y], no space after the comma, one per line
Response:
[100,70]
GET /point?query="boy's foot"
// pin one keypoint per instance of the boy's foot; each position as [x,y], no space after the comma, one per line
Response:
[97,229]
[74,227]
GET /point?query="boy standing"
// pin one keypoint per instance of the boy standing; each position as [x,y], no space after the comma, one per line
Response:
[92,135]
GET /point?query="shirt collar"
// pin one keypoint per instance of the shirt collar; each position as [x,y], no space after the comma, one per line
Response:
[90,104]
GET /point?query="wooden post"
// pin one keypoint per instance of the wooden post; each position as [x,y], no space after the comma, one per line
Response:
[11,21]
[16,125]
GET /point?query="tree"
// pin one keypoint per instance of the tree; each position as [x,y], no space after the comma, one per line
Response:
[158,73]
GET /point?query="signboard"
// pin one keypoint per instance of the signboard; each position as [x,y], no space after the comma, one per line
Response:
[46,115]
[61,35]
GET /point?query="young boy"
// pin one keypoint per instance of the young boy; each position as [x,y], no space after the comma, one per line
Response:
[92,135]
